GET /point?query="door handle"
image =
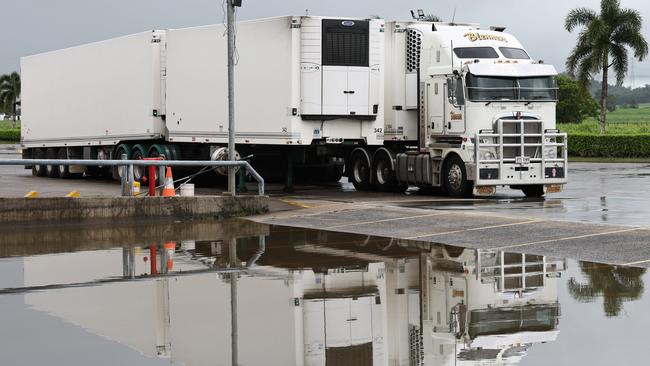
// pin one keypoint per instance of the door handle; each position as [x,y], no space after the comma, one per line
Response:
[348,92]
[449,125]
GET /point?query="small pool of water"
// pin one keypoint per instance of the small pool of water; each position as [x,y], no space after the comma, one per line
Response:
[236,292]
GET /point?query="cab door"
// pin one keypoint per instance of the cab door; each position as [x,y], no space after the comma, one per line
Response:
[435,105]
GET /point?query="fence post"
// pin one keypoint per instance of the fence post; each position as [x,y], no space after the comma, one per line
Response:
[131,181]
[123,177]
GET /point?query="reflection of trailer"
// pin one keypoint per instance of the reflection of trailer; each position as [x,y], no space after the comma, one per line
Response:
[488,305]
[395,103]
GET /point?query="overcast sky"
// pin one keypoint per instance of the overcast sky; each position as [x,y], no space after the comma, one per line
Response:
[34,26]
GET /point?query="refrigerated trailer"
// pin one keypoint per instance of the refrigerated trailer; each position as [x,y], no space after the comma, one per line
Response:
[387,104]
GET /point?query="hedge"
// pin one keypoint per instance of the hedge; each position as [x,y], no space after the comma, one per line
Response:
[609,146]
[10,135]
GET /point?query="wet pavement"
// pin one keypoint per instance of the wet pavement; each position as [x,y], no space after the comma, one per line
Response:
[238,292]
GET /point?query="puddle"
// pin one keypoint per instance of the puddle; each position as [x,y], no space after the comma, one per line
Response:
[219,293]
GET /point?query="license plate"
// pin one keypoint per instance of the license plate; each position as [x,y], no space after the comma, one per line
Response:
[523,160]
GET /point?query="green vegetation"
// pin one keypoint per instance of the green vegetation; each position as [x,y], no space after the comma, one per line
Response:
[10,96]
[10,135]
[603,43]
[575,104]
[609,146]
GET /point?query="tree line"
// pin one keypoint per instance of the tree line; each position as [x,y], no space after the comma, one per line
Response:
[10,96]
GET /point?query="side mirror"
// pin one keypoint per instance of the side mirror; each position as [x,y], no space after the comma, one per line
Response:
[455,91]
[451,90]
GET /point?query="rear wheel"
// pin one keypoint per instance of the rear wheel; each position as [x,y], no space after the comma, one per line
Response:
[38,170]
[64,170]
[138,153]
[454,178]
[384,173]
[117,170]
[51,171]
[534,191]
[360,171]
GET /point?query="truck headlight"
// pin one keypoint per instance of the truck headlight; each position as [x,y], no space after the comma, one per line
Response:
[550,152]
[486,155]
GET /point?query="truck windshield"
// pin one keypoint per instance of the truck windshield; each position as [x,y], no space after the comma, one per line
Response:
[514,53]
[514,320]
[491,88]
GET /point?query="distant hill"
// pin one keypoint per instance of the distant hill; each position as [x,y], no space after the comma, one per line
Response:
[623,95]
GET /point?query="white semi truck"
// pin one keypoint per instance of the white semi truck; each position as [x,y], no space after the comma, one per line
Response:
[387,104]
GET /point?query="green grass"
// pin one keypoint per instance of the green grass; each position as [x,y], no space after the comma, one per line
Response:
[623,121]
[628,115]
[7,125]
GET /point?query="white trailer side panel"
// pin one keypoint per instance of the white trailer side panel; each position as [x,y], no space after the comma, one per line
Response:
[197,83]
[273,85]
[96,94]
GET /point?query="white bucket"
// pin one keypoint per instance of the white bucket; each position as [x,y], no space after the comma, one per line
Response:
[187,190]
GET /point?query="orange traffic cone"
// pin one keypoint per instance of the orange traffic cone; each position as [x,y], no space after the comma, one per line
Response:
[168,191]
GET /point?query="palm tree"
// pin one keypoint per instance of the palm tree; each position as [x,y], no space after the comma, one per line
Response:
[10,94]
[614,284]
[604,36]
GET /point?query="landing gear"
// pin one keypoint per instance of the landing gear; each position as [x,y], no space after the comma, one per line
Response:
[359,173]
[454,178]
[534,191]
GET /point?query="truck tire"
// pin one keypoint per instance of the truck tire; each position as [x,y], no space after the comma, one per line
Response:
[52,171]
[137,153]
[454,178]
[116,170]
[384,174]
[359,174]
[64,170]
[534,191]
[38,170]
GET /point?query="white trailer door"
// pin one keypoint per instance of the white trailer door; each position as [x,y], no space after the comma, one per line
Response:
[361,320]
[358,90]
[314,332]
[335,90]
[337,324]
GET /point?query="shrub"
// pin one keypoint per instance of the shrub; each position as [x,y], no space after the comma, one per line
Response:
[10,135]
[609,146]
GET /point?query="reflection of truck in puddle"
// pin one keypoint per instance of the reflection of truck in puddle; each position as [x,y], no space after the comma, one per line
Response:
[318,303]
[487,305]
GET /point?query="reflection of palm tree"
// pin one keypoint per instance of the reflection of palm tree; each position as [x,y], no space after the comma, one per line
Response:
[614,284]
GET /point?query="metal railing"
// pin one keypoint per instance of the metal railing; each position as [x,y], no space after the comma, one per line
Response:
[128,178]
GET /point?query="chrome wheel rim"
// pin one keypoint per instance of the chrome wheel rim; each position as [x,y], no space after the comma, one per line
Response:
[455,177]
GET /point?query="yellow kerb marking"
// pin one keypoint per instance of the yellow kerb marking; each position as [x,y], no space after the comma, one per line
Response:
[31,194]
[73,194]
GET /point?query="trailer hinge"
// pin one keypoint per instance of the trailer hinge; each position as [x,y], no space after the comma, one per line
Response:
[402,30]
[155,113]
[397,108]
[295,25]
[156,40]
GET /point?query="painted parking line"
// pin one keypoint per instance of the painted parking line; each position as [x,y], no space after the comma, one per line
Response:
[383,220]
[475,229]
[565,239]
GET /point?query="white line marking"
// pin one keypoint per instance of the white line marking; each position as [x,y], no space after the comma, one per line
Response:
[475,229]
[564,239]
[384,220]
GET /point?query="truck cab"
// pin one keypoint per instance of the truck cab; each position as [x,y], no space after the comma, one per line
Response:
[486,113]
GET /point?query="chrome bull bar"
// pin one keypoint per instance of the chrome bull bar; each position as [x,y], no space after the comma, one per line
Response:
[516,154]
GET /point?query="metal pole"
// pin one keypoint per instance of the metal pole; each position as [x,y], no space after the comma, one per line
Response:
[233,303]
[231,95]
[124,180]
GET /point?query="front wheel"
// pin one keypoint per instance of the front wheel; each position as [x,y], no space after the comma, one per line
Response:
[534,191]
[454,178]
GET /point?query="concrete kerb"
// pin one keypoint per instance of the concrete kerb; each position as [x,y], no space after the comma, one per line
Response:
[55,209]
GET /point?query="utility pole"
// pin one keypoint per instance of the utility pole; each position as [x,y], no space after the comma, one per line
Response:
[231,92]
